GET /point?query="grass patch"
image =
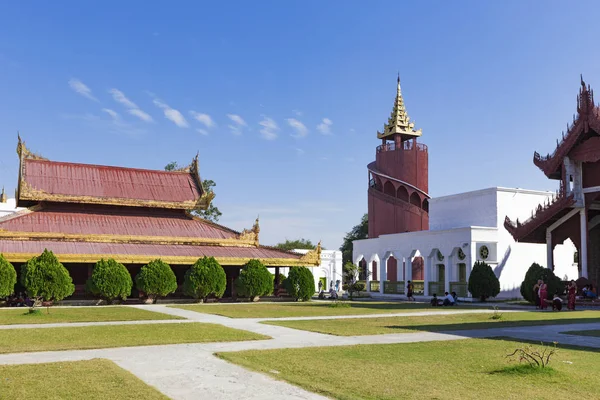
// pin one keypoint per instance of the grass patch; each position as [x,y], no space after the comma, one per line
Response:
[525,369]
[96,379]
[462,369]
[437,323]
[97,337]
[593,332]
[80,314]
[279,310]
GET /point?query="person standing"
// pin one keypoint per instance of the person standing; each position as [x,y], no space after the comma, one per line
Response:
[320,286]
[571,295]
[409,291]
[543,293]
[536,293]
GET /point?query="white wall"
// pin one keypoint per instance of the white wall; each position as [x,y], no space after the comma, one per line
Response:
[477,208]
[9,207]
[331,267]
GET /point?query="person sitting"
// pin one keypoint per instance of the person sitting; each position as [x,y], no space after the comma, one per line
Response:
[556,302]
[435,302]
[448,299]
[589,293]
[455,297]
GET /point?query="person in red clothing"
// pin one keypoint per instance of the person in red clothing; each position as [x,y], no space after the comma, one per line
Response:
[543,295]
[571,295]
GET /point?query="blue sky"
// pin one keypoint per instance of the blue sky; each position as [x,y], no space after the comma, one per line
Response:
[283,98]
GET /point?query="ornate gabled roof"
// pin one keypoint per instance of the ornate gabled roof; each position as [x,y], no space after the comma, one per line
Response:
[585,124]
[43,180]
[399,121]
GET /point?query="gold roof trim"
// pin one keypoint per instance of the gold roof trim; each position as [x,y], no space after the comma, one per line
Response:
[399,121]
[144,259]
[313,257]
[251,235]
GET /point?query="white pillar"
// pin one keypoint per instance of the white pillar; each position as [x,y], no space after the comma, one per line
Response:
[408,273]
[355,277]
[427,275]
[584,240]
[471,258]
[368,275]
[549,255]
[382,273]
[399,268]
[447,273]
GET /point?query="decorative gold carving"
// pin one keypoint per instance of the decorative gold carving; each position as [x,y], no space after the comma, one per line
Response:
[3,198]
[399,121]
[24,152]
[144,259]
[251,235]
[313,257]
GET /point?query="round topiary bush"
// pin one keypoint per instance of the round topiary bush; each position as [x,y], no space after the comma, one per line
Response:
[300,283]
[156,279]
[46,279]
[254,280]
[483,283]
[205,278]
[536,272]
[110,280]
[8,277]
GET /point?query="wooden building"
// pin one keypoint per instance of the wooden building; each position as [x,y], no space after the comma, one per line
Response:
[85,212]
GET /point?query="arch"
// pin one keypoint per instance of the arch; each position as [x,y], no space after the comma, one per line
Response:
[425,205]
[378,184]
[388,188]
[415,199]
[402,194]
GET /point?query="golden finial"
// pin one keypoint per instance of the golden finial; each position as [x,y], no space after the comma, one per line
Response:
[399,121]
[3,196]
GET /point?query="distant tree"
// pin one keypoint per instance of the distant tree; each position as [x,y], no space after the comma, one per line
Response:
[300,283]
[8,277]
[360,231]
[212,213]
[110,280]
[296,244]
[205,278]
[46,279]
[533,274]
[483,283]
[156,279]
[254,280]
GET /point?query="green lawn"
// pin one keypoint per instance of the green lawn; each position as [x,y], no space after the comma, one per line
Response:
[465,369]
[96,337]
[78,314]
[594,333]
[436,323]
[91,380]
[313,309]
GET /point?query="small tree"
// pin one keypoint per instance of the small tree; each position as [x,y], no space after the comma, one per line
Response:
[483,283]
[156,279]
[351,272]
[46,279]
[535,273]
[110,280]
[8,277]
[205,278]
[300,283]
[254,280]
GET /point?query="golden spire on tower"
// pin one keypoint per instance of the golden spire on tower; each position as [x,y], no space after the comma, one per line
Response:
[399,121]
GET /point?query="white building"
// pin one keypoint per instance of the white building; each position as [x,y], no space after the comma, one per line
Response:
[464,228]
[7,206]
[328,272]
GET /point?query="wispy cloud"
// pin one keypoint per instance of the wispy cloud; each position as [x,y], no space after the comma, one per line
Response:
[172,114]
[203,132]
[299,127]
[238,124]
[298,113]
[269,128]
[299,151]
[101,124]
[132,108]
[325,126]
[81,88]
[203,119]
[112,113]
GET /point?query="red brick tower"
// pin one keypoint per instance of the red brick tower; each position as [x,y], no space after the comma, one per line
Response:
[398,179]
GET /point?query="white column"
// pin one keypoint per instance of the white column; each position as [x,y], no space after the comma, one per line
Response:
[447,273]
[382,273]
[549,255]
[471,258]
[427,275]
[408,274]
[399,268]
[355,277]
[584,240]
[368,275]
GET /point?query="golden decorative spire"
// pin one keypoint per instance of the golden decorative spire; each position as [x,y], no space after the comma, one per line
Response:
[399,121]
[3,196]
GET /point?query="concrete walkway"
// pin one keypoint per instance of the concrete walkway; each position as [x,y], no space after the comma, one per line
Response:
[191,371]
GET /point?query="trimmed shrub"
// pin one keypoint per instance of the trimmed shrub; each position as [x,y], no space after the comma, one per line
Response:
[281,280]
[300,284]
[483,283]
[254,280]
[536,272]
[205,278]
[156,279]
[110,280]
[46,279]
[8,277]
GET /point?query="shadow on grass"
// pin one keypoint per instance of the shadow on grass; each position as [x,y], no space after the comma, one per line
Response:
[413,306]
[493,324]
[559,345]
[524,370]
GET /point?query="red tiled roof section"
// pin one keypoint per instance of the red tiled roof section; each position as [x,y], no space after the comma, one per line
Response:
[96,181]
[36,247]
[99,220]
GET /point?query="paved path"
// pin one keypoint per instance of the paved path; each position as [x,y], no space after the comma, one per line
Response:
[191,371]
